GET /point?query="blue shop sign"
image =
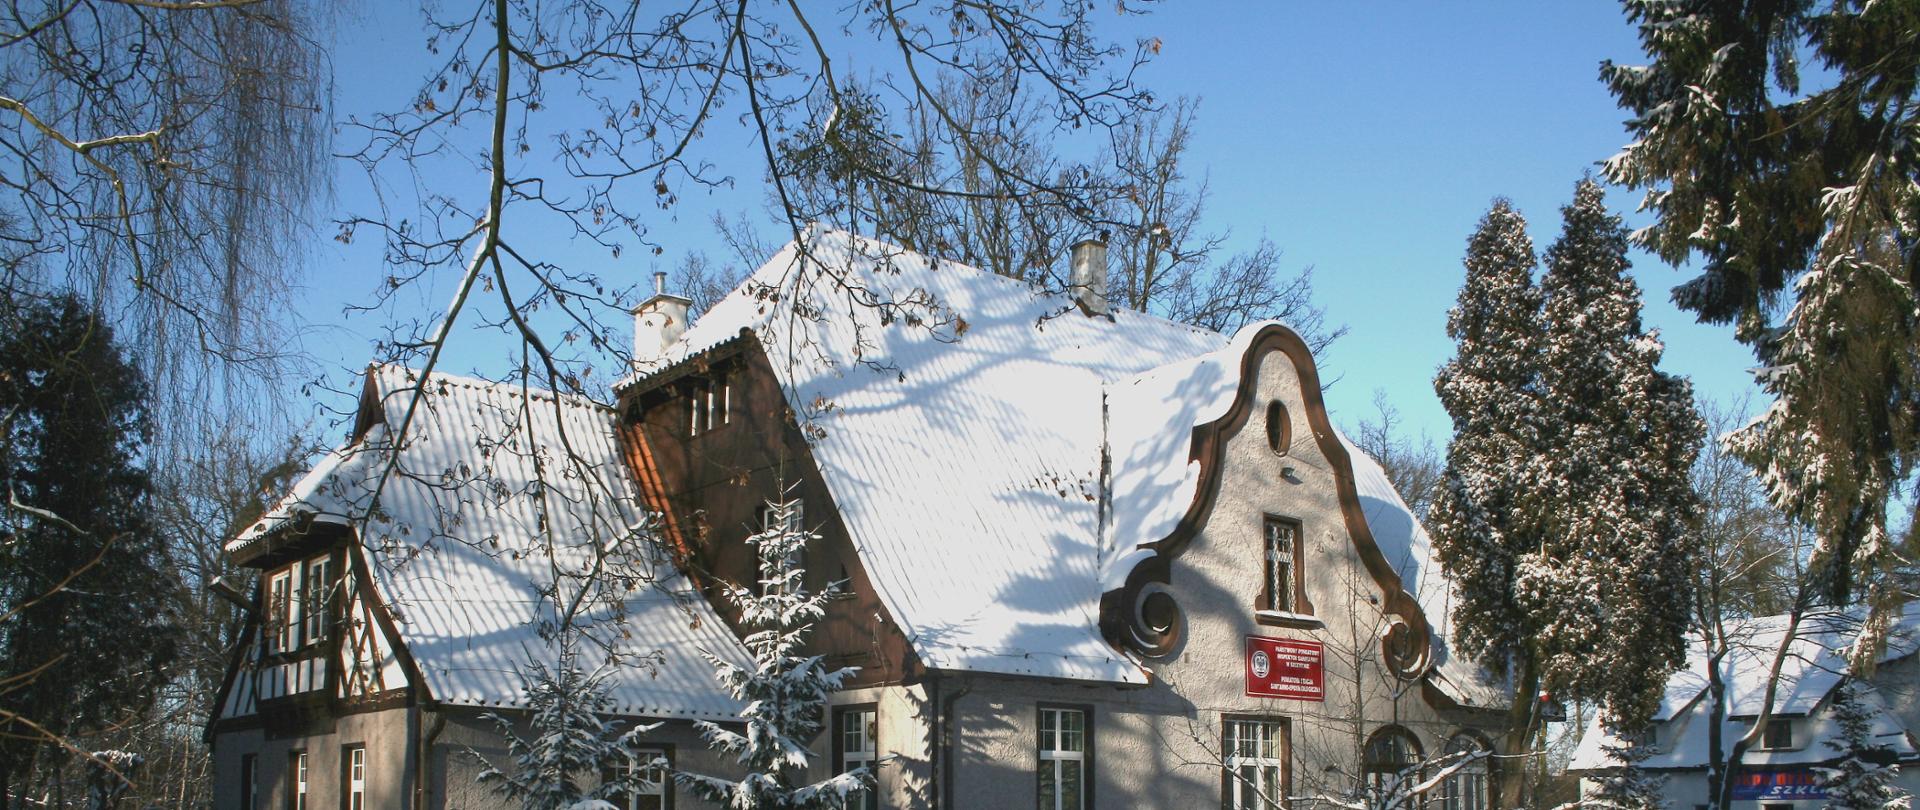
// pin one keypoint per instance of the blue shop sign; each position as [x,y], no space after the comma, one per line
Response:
[1785,785]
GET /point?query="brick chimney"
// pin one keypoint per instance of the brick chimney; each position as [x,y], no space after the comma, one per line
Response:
[1087,279]
[657,323]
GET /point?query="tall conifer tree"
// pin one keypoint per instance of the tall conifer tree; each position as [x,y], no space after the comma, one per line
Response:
[1797,203]
[1480,516]
[1607,590]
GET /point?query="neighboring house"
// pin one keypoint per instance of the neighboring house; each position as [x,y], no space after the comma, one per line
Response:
[1778,773]
[1091,558]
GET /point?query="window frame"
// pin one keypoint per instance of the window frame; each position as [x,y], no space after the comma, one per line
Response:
[1783,741]
[1085,756]
[1279,428]
[297,779]
[644,752]
[250,781]
[1298,612]
[845,760]
[799,524]
[1482,771]
[351,788]
[1230,765]
[283,634]
[316,597]
[1372,771]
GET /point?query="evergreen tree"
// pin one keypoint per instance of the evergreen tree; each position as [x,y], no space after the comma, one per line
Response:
[1480,515]
[1628,786]
[1863,777]
[85,634]
[1607,590]
[785,692]
[1805,197]
[570,747]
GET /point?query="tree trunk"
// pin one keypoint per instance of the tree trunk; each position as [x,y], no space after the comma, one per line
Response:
[1515,784]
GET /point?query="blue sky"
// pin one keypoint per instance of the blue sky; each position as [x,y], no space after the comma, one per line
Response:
[1365,140]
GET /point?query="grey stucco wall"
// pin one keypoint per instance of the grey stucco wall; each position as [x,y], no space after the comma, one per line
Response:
[382,732]
[452,781]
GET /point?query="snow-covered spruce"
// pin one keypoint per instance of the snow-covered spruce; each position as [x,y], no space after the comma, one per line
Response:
[1863,777]
[572,758]
[785,692]
[1627,786]
[1608,587]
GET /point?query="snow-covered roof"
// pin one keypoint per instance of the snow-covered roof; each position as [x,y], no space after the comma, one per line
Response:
[959,421]
[497,493]
[1815,664]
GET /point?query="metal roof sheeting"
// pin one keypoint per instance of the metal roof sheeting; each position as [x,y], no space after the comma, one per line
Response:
[500,504]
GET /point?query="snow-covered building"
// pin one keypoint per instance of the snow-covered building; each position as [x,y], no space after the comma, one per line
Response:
[1090,557]
[1801,735]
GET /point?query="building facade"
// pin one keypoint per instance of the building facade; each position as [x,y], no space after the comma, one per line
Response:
[1085,557]
[1800,736]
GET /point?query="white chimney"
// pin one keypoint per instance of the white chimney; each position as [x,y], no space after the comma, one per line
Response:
[1088,277]
[657,323]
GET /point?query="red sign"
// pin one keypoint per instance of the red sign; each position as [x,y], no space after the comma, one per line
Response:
[1285,668]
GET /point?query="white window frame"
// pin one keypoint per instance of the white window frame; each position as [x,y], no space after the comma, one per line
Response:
[282,630]
[357,778]
[1060,745]
[318,582]
[859,747]
[1254,755]
[1281,552]
[299,796]
[633,794]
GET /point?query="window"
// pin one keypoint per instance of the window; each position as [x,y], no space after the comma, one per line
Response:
[249,782]
[1391,765]
[297,770]
[353,762]
[1779,734]
[1279,428]
[1254,760]
[281,633]
[1280,588]
[319,583]
[710,406]
[648,790]
[1066,748]
[1466,789]
[855,737]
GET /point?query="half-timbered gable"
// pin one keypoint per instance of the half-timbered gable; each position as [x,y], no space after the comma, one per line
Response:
[404,590]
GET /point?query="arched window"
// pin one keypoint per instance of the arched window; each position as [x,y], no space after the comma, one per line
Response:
[1468,755]
[1392,768]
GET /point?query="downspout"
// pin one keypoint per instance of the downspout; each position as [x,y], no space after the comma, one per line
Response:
[423,756]
[947,722]
[934,759]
